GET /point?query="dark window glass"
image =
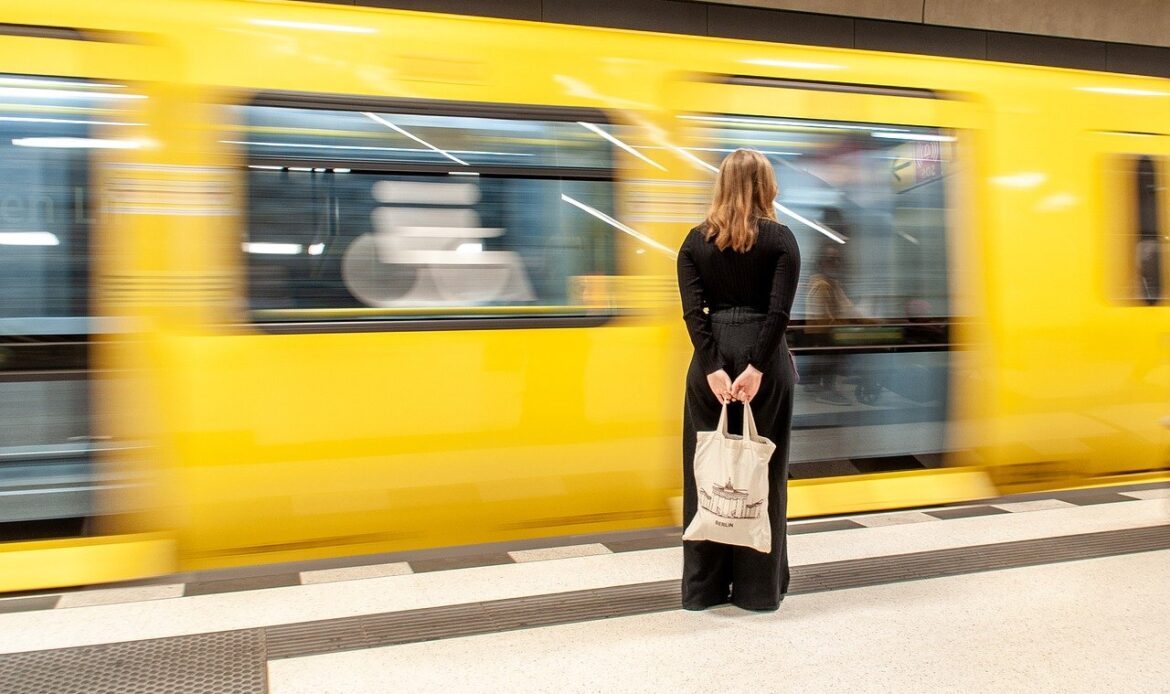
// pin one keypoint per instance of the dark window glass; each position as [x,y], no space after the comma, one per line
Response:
[1148,243]
[374,215]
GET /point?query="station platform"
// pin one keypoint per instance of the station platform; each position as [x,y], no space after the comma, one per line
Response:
[1067,591]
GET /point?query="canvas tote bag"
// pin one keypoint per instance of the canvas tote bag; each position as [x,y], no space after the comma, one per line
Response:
[731,478]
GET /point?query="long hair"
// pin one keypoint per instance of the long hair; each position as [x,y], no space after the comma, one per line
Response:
[744,191]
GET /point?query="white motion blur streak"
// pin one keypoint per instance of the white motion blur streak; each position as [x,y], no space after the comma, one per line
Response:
[805,220]
[76,143]
[797,64]
[919,137]
[265,248]
[311,26]
[1123,91]
[618,225]
[37,93]
[62,121]
[780,208]
[693,159]
[1024,179]
[601,133]
[378,119]
[28,238]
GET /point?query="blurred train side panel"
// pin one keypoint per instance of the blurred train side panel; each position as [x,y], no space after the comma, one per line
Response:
[283,282]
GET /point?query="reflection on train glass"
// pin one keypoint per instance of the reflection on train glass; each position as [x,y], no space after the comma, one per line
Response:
[868,205]
[364,215]
[49,128]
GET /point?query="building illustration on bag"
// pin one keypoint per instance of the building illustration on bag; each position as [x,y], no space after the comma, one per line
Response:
[726,501]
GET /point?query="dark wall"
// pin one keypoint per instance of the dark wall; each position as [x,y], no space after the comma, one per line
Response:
[729,21]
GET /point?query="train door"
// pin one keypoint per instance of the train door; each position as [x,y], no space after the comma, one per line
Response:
[1130,339]
[70,100]
[872,182]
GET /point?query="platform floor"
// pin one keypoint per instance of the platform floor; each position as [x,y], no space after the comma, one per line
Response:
[1069,593]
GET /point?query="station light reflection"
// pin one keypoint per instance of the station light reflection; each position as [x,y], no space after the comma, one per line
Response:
[610,138]
[378,119]
[618,225]
[819,228]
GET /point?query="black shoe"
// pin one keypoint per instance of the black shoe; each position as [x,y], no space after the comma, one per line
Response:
[698,606]
[763,608]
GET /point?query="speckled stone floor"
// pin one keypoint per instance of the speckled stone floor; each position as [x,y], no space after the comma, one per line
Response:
[1093,625]
[1100,625]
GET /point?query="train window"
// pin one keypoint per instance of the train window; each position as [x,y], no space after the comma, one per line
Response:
[46,137]
[49,129]
[1147,240]
[867,203]
[401,214]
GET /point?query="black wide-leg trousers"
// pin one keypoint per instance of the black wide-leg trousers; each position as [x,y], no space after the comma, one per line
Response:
[715,573]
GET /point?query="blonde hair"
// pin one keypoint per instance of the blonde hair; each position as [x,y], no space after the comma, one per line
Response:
[744,191]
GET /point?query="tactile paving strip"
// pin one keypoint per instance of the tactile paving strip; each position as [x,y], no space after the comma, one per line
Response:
[231,662]
[371,631]
[350,633]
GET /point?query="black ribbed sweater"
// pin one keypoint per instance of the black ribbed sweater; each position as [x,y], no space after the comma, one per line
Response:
[763,278]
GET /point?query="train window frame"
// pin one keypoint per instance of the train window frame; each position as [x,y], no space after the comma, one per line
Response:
[892,364]
[1124,224]
[576,315]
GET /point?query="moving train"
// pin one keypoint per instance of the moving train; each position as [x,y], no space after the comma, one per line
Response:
[283,281]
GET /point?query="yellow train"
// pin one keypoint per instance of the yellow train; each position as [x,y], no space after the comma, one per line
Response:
[283,281]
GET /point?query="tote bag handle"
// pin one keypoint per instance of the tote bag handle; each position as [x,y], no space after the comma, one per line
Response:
[749,424]
[721,428]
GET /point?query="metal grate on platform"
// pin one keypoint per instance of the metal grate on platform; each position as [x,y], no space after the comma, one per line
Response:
[229,662]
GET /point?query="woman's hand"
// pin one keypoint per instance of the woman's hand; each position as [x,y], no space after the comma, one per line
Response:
[720,384]
[747,384]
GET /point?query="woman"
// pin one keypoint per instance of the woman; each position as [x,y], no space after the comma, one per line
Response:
[737,274]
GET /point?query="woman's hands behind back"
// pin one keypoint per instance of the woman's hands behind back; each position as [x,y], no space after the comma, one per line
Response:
[745,387]
[747,384]
[720,384]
